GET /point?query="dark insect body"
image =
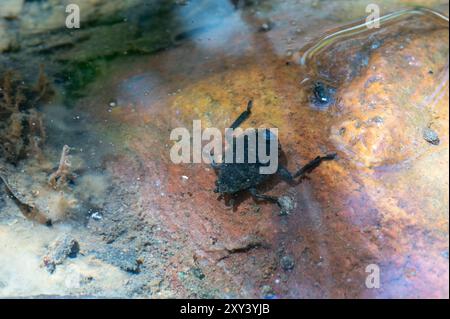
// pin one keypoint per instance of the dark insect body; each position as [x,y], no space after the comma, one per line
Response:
[236,177]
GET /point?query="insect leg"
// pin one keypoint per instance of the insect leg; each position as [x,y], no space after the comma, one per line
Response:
[244,115]
[284,173]
[308,168]
[257,195]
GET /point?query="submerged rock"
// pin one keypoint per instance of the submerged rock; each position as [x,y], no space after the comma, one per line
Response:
[286,204]
[125,260]
[62,248]
[287,262]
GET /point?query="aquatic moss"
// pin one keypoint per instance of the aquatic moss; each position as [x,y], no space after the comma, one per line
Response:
[21,127]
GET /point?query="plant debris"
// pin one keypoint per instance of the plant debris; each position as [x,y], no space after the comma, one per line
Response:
[29,211]
[21,127]
[62,175]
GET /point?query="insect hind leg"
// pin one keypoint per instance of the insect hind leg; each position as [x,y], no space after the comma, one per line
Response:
[257,195]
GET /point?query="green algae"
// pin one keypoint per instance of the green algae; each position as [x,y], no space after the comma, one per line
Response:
[102,44]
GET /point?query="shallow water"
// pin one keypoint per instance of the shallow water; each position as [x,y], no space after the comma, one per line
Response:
[150,228]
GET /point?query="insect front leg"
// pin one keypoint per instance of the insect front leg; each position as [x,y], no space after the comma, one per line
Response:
[244,115]
[308,168]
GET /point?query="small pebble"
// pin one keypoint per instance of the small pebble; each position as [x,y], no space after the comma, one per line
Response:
[377,119]
[431,136]
[197,272]
[375,44]
[58,251]
[286,204]
[267,292]
[287,262]
[266,26]
[97,216]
